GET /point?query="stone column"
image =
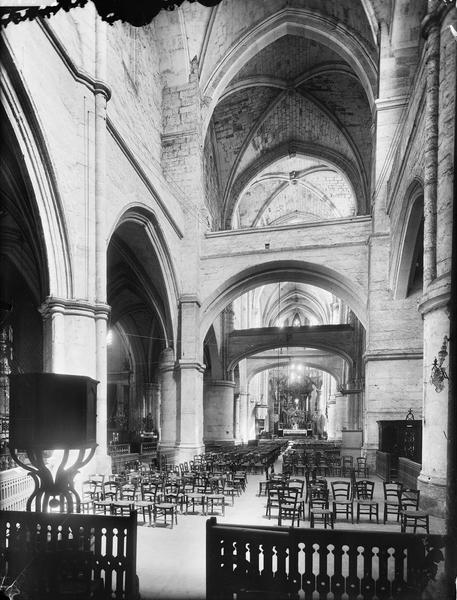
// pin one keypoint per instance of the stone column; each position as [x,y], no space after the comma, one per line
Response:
[438,200]
[432,33]
[219,415]
[237,411]
[341,412]
[190,410]
[331,417]
[71,334]
[244,404]
[152,402]
[432,479]
[190,392]
[168,408]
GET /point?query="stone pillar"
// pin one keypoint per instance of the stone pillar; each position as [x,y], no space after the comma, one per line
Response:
[190,410]
[432,33]
[432,478]
[331,417]
[190,392]
[438,200]
[168,408]
[71,335]
[152,402]
[219,411]
[237,411]
[102,95]
[341,412]
[244,404]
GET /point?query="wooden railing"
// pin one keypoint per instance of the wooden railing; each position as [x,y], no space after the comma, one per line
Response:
[33,545]
[148,447]
[248,562]
[119,449]
[383,464]
[408,472]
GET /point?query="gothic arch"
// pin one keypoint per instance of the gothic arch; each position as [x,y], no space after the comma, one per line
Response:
[147,222]
[24,134]
[403,255]
[354,175]
[307,363]
[293,21]
[288,270]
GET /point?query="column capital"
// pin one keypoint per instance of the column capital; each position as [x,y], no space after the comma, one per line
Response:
[438,295]
[226,383]
[190,299]
[434,18]
[68,306]
[192,365]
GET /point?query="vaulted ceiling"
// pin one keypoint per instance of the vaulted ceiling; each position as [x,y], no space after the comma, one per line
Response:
[290,138]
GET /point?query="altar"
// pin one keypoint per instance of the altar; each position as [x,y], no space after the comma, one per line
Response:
[297,432]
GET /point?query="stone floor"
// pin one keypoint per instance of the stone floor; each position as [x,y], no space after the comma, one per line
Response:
[171,562]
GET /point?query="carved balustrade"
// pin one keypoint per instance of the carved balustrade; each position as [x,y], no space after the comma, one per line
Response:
[32,544]
[314,563]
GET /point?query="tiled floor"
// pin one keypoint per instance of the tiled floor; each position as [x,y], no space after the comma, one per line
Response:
[171,562]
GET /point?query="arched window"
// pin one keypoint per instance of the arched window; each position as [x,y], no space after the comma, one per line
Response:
[296,322]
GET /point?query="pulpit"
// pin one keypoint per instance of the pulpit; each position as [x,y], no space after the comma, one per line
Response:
[53,414]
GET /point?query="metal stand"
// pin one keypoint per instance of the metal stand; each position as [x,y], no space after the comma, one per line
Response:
[54,492]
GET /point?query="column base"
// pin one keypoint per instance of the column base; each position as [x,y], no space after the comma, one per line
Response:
[179,453]
[432,495]
[223,442]
[103,463]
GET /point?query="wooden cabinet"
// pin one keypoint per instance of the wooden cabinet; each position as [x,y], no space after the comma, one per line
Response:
[401,438]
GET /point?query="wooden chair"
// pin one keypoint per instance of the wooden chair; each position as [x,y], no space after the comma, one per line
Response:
[124,503]
[163,509]
[410,515]
[409,499]
[215,500]
[145,504]
[347,464]
[342,502]
[110,490]
[288,507]
[362,467]
[273,489]
[364,490]
[319,511]
[392,495]
[415,519]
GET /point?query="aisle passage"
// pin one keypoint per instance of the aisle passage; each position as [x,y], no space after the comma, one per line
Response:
[171,562]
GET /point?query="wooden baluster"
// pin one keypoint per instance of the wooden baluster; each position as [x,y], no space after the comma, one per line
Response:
[308,579]
[367,584]
[323,579]
[294,547]
[383,584]
[353,580]
[338,580]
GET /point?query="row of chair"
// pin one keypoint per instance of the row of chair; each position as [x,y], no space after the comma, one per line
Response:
[331,466]
[287,497]
[164,498]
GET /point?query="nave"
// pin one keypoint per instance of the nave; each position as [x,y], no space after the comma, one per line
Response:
[171,562]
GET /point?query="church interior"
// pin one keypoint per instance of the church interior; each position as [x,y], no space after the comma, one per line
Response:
[234,221]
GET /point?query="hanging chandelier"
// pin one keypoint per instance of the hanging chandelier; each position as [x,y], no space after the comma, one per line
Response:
[136,12]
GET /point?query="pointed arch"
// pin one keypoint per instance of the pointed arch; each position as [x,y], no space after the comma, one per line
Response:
[146,220]
[405,249]
[290,21]
[283,270]
[26,134]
